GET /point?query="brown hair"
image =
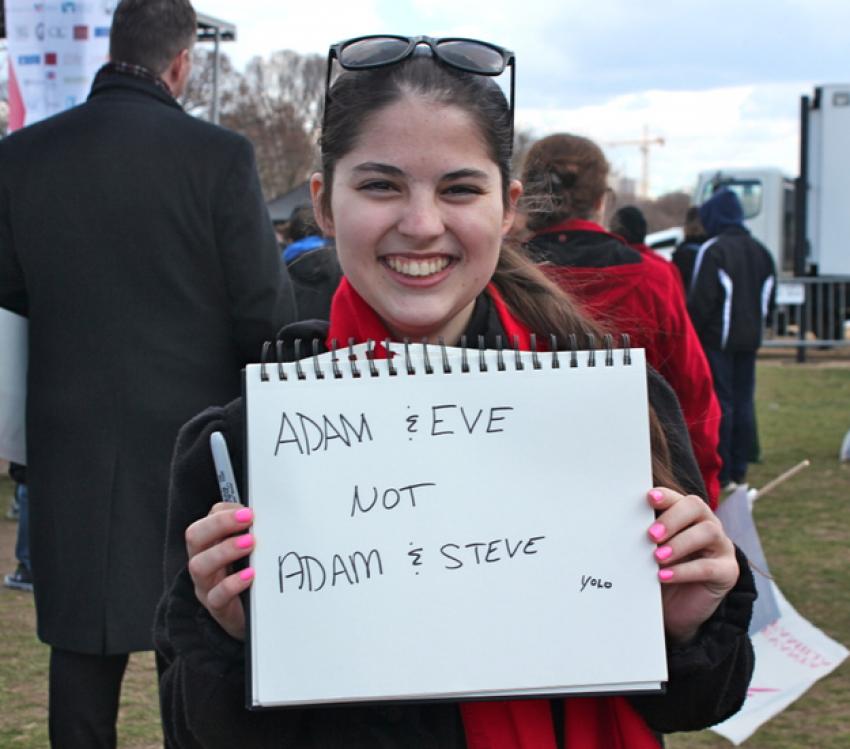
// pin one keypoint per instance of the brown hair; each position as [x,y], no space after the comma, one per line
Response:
[535,299]
[564,176]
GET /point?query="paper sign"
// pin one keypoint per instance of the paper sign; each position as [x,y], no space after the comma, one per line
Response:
[13,386]
[451,534]
[791,655]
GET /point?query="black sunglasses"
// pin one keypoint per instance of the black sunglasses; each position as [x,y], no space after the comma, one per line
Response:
[380,50]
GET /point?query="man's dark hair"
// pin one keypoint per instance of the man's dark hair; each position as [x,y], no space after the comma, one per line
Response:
[151,33]
[630,223]
[302,224]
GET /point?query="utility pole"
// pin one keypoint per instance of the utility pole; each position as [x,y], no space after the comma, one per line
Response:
[643,144]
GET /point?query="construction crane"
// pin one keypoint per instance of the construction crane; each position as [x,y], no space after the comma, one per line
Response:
[643,143]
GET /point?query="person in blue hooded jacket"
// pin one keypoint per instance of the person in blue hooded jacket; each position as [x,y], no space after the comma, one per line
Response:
[732,292]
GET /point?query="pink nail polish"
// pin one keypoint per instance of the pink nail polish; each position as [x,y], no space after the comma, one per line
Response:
[657,531]
[665,575]
[656,496]
[244,542]
[243,515]
[663,552]
[247,573]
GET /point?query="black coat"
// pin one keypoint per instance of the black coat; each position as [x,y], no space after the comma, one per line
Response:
[733,290]
[136,240]
[203,687]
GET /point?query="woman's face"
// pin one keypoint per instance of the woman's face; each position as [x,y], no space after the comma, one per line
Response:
[418,217]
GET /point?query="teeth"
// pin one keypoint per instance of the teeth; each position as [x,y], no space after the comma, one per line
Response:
[417,268]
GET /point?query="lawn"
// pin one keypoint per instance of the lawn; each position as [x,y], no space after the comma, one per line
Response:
[803,412]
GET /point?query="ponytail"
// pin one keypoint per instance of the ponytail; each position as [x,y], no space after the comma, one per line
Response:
[546,309]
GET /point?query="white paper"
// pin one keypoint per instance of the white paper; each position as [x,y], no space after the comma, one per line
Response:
[13,386]
[406,610]
[736,515]
[791,655]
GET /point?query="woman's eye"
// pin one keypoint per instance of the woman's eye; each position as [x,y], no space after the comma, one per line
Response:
[463,190]
[377,186]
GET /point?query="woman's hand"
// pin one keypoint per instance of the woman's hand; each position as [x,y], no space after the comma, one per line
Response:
[213,544]
[696,559]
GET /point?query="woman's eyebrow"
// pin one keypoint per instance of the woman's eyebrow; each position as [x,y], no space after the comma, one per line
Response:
[376,166]
[466,174]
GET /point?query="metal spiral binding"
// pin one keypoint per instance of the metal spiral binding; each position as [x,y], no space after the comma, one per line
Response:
[573,350]
[264,354]
[425,358]
[370,357]
[299,370]
[390,365]
[320,374]
[535,359]
[352,359]
[500,359]
[411,370]
[482,362]
[447,368]
[519,364]
[335,360]
[281,372]
[464,361]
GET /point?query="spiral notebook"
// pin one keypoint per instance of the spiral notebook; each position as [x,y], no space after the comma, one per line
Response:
[450,524]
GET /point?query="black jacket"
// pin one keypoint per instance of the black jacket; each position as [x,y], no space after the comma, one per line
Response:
[203,687]
[315,276]
[136,240]
[732,291]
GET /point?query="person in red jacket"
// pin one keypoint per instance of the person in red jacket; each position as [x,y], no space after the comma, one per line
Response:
[566,180]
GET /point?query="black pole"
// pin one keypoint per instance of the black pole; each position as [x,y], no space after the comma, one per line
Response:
[801,188]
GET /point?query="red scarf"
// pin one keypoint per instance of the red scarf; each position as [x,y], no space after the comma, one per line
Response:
[590,722]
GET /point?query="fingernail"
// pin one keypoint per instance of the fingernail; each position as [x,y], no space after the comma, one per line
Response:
[663,552]
[665,575]
[243,515]
[243,542]
[247,573]
[656,496]
[657,531]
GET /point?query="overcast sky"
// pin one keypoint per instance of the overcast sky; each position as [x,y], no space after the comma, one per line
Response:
[719,81]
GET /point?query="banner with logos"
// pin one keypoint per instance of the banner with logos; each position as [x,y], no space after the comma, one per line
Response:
[54,49]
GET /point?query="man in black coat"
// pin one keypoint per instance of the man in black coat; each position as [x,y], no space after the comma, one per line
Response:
[136,240]
[732,292]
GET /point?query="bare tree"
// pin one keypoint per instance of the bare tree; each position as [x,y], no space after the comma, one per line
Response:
[276,103]
[198,95]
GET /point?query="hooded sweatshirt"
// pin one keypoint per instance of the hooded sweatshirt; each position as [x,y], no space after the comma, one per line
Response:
[734,282]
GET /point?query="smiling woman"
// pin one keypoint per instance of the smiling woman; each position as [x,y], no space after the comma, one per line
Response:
[418,231]
[415,190]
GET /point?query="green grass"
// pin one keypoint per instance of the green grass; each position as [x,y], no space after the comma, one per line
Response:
[803,412]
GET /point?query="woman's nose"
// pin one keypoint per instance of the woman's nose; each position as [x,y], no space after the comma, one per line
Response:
[421,218]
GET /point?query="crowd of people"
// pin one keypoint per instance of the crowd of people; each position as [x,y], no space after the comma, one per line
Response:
[136,241]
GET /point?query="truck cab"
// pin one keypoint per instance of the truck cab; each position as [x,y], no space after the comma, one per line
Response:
[767,197]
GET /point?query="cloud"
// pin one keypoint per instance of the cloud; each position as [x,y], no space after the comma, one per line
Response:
[706,129]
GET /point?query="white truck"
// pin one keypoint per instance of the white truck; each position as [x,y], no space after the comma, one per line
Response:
[803,221]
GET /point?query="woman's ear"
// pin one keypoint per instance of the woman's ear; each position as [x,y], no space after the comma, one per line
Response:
[514,194]
[317,194]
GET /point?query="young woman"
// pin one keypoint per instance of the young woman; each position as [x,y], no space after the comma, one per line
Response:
[566,182]
[415,191]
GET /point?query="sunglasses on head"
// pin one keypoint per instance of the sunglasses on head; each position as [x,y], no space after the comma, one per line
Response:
[381,50]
